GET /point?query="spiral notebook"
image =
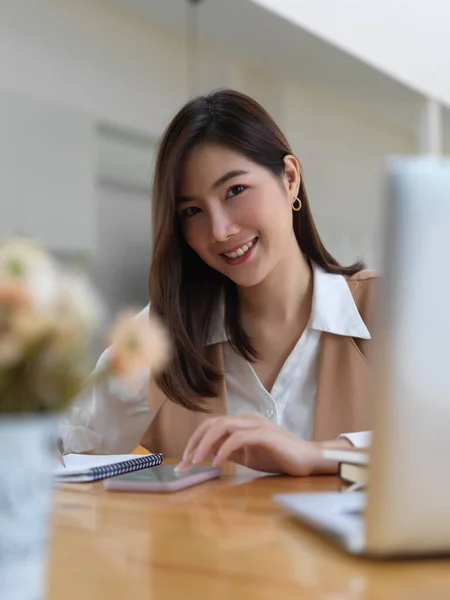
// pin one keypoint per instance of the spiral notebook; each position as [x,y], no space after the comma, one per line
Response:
[80,468]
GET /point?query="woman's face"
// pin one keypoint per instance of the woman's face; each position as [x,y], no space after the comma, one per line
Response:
[235,214]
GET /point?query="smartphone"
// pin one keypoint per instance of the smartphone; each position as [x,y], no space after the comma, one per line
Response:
[163,478]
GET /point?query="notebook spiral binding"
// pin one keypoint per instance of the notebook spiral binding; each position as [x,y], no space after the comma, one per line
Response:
[143,462]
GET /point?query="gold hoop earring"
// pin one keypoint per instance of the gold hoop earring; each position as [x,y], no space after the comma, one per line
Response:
[297,205]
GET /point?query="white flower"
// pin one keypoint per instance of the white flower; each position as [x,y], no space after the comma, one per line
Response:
[28,265]
[78,303]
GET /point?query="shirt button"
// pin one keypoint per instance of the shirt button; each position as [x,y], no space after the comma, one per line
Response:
[269,413]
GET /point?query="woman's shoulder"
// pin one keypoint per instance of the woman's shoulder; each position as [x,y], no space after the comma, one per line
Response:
[363,286]
[365,275]
[363,282]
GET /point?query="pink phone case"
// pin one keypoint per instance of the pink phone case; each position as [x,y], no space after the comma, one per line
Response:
[122,485]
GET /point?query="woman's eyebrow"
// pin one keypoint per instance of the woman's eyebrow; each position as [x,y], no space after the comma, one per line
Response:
[223,179]
[228,176]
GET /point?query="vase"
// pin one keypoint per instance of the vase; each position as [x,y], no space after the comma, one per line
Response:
[27,458]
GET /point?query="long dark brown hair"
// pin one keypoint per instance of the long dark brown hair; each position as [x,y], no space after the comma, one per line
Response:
[184,291]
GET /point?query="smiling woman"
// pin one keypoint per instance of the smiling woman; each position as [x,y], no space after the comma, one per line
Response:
[269,330]
[225,178]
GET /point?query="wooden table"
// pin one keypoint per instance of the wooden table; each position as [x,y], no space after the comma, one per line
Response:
[224,539]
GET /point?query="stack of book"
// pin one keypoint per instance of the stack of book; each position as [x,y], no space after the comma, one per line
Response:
[353,463]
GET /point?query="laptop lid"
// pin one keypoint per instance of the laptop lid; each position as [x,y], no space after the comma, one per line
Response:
[409,496]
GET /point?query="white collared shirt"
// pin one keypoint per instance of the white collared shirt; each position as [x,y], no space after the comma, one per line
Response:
[113,421]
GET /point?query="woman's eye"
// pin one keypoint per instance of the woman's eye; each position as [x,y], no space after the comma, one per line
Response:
[190,211]
[235,190]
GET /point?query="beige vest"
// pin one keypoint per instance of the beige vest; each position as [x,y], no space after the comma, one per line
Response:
[341,400]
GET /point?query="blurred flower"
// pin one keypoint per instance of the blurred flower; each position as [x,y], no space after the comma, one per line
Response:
[11,349]
[12,295]
[137,344]
[78,303]
[20,324]
[27,265]
[29,325]
[47,321]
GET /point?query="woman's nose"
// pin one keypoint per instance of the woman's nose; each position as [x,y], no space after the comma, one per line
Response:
[222,227]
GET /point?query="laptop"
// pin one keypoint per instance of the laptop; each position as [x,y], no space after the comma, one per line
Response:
[406,508]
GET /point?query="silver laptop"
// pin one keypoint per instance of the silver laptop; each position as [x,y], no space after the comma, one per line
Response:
[406,510]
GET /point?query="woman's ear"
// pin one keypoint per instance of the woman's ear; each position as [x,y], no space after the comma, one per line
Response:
[292,175]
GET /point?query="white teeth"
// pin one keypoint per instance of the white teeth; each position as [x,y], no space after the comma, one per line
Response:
[240,251]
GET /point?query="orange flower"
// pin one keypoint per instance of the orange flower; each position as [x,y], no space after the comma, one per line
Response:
[13,295]
[137,345]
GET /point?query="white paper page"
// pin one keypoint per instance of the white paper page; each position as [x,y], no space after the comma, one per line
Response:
[79,463]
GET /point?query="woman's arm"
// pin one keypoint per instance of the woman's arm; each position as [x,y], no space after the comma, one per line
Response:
[111,419]
[258,443]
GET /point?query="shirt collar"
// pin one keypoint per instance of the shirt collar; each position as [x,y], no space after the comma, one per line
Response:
[333,310]
[333,307]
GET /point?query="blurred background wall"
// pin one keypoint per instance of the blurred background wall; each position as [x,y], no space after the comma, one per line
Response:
[87,87]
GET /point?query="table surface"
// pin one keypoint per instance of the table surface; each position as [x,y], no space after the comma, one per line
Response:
[223,539]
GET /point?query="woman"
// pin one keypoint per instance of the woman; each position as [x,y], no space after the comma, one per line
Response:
[270,331]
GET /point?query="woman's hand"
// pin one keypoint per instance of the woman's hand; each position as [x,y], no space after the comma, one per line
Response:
[256,442]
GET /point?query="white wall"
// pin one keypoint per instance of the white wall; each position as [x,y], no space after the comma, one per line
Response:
[84,55]
[407,39]
[343,152]
[47,172]
[107,68]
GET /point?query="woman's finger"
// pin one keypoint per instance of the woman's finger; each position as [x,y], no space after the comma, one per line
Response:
[197,435]
[200,431]
[238,440]
[221,429]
